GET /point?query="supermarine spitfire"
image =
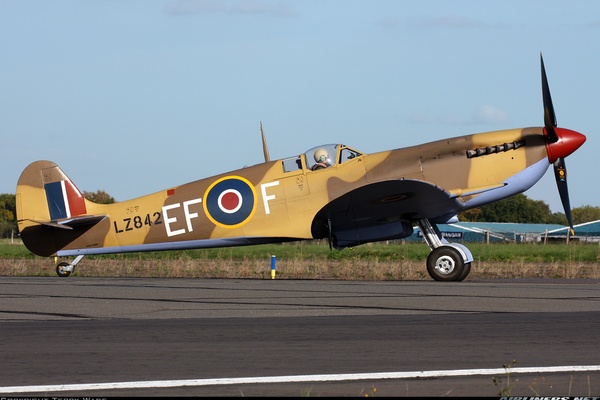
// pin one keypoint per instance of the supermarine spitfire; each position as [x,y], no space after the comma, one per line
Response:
[332,192]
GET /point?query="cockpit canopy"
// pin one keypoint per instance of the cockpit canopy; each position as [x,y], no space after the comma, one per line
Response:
[320,157]
[328,155]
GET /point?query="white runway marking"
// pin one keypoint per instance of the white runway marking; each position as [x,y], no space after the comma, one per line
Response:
[293,378]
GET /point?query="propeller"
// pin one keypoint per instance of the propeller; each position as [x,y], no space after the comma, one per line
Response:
[561,143]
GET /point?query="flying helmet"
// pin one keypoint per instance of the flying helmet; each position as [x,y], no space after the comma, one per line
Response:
[321,155]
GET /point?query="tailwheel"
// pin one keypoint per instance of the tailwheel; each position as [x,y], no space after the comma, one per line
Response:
[445,263]
[64,269]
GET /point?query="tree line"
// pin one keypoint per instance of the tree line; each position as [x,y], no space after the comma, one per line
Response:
[515,209]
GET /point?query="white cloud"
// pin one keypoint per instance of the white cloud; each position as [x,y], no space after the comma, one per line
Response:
[490,114]
[486,114]
[189,7]
[447,21]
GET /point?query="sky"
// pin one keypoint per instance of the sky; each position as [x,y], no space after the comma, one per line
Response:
[136,96]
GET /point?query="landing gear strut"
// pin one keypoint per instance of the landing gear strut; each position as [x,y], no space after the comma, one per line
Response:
[447,261]
[64,269]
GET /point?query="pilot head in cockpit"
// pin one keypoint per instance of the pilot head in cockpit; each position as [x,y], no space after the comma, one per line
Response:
[322,159]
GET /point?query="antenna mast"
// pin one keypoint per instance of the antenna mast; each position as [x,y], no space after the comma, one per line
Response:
[264,144]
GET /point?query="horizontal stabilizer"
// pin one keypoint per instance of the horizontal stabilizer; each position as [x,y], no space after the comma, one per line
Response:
[70,223]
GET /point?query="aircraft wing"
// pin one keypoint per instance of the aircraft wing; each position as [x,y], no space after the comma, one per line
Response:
[383,210]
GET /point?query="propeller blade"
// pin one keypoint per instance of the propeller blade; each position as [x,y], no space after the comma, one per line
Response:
[560,173]
[549,115]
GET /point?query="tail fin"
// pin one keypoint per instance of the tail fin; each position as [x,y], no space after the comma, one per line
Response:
[49,194]
[47,199]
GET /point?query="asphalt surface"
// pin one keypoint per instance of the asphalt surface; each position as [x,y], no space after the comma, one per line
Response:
[198,337]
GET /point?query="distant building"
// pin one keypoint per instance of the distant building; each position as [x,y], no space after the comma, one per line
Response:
[586,232]
[494,232]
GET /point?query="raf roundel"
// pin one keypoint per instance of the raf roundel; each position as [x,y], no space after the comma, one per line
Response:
[230,201]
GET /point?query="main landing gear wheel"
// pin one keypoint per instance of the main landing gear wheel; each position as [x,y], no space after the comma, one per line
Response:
[63,270]
[445,263]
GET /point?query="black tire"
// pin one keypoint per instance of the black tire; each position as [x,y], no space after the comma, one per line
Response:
[446,264]
[466,271]
[60,270]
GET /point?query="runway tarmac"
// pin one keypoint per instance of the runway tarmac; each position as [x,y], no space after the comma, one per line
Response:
[98,337]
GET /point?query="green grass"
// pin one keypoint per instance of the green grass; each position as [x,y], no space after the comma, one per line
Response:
[395,251]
